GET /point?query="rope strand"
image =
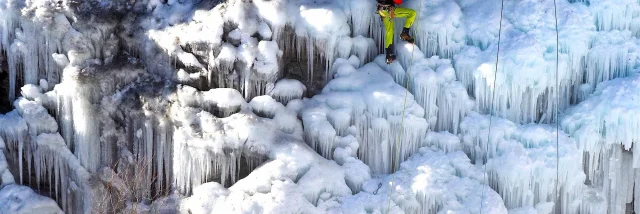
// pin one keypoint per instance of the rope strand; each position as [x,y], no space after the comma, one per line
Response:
[404,108]
[491,108]
[556,196]
[493,95]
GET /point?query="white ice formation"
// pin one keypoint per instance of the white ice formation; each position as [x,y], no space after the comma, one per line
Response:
[521,161]
[431,181]
[365,105]
[604,126]
[288,106]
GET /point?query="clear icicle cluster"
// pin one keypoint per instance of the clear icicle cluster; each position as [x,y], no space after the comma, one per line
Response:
[33,136]
[521,161]
[367,104]
[604,127]
[433,82]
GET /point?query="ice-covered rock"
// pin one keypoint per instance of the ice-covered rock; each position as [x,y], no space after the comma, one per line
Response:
[6,177]
[286,90]
[293,179]
[23,200]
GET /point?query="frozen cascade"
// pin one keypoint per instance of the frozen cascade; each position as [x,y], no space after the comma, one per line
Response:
[72,183]
[521,161]
[366,103]
[602,126]
[430,181]
[444,141]
[77,104]
[618,15]
[208,147]
[440,25]
[14,132]
[293,180]
[593,201]
[233,63]
[433,82]
[288,183]
[35,32]
[120,115]
[612,55]
[523,93]
[47,155]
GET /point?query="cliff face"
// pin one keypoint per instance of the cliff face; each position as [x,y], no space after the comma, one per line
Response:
[288,106]
[5,105]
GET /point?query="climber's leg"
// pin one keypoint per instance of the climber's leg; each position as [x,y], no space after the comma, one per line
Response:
[388,28]
[410,14]
[388,39]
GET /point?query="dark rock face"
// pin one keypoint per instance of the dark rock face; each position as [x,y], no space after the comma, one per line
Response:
[5,106]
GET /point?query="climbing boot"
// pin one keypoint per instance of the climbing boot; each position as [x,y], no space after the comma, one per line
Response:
[405,36]
[390,56]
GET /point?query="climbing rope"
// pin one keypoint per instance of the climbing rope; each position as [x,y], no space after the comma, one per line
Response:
[556,107]
[404,108]
[493,95]
[556,198]
[490,108]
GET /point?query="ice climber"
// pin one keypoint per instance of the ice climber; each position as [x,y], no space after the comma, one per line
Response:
[387,10]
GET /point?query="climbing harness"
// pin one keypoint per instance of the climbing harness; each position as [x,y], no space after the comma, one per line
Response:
[404,108]
[386,7]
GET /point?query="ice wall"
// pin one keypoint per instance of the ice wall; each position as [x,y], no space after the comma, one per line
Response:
[604,127]
[438,28]
[521,162]
[430,181]
[35,146]
[235,44]
[112,112]
[366,104]
[207,146]
[293,178]
[42,37]
[433,82]
[526,88]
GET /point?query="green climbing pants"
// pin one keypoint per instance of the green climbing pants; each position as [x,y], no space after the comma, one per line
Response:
[398,12]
